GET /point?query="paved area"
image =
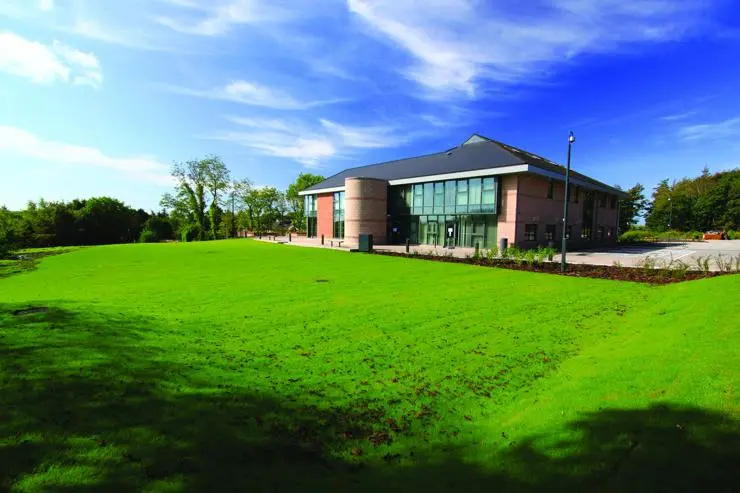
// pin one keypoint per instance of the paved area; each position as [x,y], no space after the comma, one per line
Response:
[627,256]
[631,256]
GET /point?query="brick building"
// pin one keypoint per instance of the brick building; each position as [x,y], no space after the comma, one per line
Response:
[477,192]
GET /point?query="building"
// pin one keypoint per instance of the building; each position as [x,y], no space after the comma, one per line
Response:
[476,193]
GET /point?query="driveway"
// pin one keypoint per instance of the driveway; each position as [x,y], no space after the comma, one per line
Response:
[630,256]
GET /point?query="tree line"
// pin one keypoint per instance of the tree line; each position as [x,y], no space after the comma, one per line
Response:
[206,204]
[709,202]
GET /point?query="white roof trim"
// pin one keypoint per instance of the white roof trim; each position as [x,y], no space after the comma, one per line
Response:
[503,170]
[519,168]
[321,190]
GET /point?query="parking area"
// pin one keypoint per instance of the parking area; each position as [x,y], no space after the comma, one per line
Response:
[631,256]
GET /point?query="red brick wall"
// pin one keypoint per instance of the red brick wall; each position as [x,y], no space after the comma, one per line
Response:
[507,213]
[325,215]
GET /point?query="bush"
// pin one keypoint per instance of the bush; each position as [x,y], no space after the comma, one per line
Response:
[733,235]
[634,235]
[190,232]
[148,236]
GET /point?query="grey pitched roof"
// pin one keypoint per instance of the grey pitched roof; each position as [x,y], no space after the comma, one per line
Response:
[476,153]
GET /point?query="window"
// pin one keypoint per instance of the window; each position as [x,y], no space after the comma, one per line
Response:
[612,201]
[462,196]
[450,191]
[488,200]
[568,232]
[600,232]
[428,198]
[418,199]
[550,189]
[602,200]
[610,233]
[474,194]
[585,233]
[439,198]
[530,232]
[550,232]
[309,205]
[577,194]
[338,229]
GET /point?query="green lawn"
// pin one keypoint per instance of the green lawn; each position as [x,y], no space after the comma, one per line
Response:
[226,366]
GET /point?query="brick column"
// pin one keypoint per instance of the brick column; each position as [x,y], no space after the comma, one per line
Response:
[365,209]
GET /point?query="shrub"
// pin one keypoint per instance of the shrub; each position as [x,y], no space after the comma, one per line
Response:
[530,257]
[648,264]
[733,235]
[147,236]
[190,232]
[724,264]
[702,264]
[492,253]
[679,269]
[635,235]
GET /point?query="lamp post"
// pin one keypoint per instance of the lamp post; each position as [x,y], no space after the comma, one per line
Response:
[670,212]
[571,140]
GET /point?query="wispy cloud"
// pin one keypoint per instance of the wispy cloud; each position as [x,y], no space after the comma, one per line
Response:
[255,94]
[678,116]
[217,17]
[18,141]
[711,131]
[456,44]
[46,64]
[311,144]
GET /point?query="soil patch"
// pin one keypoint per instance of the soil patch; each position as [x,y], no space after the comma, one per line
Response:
[633,274]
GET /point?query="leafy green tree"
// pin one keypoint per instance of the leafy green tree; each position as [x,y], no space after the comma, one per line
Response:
[200,185]
[631,208]
[265,207]
[295,202]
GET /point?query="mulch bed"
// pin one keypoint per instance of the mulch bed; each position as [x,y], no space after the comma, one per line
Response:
[633,274]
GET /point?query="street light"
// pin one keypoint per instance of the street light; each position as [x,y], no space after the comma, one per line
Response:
[571,140]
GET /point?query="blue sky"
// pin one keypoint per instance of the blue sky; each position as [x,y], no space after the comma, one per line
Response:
[100,97]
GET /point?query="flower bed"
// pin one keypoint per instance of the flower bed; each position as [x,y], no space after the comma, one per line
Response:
[635,274]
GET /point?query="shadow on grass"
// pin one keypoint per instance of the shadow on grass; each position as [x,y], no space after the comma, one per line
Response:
[89,406]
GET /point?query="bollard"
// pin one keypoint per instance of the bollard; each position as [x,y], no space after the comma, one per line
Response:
[289,238]
[477,249]
[503,245]
[322,240]
[408,245]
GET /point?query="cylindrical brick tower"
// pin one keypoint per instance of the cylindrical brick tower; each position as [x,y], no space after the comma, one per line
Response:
[365,209]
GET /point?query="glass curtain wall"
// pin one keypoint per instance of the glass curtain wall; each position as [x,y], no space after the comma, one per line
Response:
[309,207]
[338,230]
[454,212]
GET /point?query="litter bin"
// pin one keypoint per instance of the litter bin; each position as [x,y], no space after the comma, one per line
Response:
[365,243]
[503,244]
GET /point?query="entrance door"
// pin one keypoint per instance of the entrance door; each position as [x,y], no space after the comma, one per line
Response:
[450,233]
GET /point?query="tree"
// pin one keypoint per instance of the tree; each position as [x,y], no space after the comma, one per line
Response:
[632,207]
[217,176]
[198,184]
[295,201]
[707,202]
[265,207]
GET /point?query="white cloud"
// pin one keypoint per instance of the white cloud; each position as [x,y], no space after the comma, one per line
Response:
[252,93]
[365,137]
[711,131]
[46,5]
[678,116]
[309,145]
[21,142]
[216,17]
[455,44]
[44,64]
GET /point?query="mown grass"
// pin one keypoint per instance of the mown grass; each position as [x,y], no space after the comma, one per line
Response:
[226,366]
